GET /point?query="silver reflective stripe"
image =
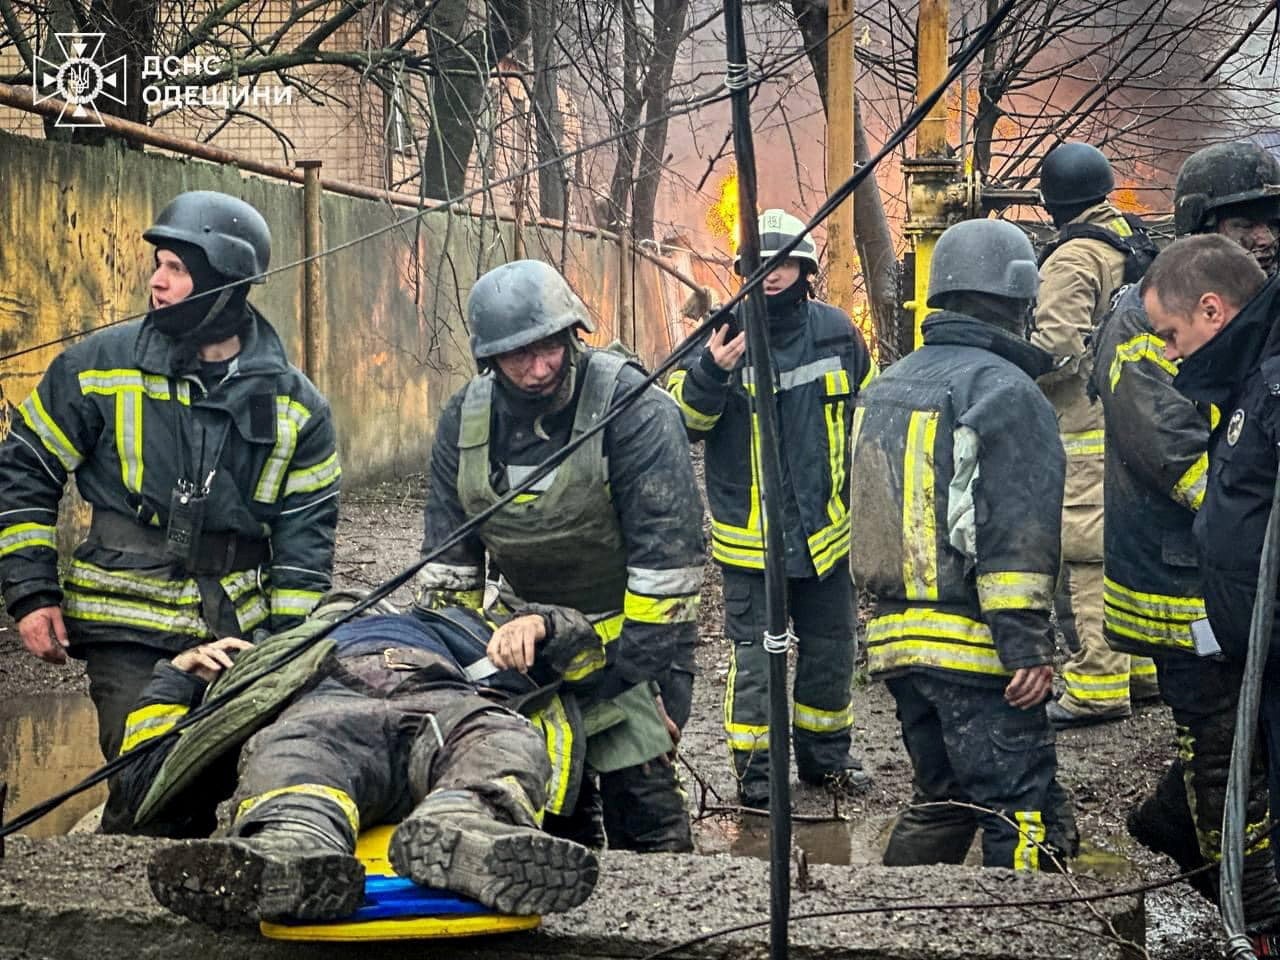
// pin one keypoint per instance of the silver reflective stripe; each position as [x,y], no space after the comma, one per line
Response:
[517,475]
[677,582]
[805,373]
[480,670]
[448,576]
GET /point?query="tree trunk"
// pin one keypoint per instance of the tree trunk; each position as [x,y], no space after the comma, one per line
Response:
[989,94]
[552,179]
[668,31]
[463,66]
[870,223]
[625,165]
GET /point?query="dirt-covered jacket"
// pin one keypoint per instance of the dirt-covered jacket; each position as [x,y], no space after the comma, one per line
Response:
[1077,282]
[112,411]
[1238,372]
[622,541]
[957,472]
[820,364]
[1156,471]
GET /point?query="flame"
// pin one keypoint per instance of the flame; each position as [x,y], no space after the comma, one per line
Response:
[1126,198]
[722,215]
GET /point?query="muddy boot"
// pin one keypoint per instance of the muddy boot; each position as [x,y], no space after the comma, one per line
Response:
[1162,823]
[848,778]
[451,842]
[281,872]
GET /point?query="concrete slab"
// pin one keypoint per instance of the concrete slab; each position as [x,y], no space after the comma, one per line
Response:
[86,898]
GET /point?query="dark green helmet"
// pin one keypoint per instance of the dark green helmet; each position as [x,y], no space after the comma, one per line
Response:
[520,303]
[231,233]
[983,256]
[1223,175]
[1075,173]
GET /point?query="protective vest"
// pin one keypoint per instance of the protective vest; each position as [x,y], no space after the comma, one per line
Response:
[1156,472]
[957,470]
[816,382]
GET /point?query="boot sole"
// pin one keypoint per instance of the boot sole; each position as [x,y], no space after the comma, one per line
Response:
[522,874]
[225,884]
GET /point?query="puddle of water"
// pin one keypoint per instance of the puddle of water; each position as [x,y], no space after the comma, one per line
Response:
[49,742]
[836,842]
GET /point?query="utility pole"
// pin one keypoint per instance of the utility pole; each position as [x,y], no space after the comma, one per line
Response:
[841,97]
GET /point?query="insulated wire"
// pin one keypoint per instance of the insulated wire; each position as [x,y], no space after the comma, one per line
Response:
[963,59]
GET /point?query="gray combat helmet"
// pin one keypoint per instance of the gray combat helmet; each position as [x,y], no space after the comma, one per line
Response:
[983,256]
[1075,173]
[1221,176]
[232,234]
[520,303]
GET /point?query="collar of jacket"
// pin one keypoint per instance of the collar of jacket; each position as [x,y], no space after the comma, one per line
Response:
[1215,372]
[1100,214]
[958,330]
[261,352]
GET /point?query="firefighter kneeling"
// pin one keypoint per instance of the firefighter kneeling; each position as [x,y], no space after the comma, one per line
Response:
[959,468]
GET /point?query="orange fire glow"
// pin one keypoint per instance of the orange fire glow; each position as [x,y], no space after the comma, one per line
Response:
[1126,198]
[722,215]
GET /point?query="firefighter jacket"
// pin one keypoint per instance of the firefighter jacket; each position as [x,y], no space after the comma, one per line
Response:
[614,531]
[958,471]
[1156,469]
[820,364]
[1077,282]
[113,411]
[1238,372]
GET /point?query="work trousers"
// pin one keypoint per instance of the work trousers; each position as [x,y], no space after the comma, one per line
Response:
[1098,680]
[978,762]
[341,759]
[638,808]
[118,673]
[825,619]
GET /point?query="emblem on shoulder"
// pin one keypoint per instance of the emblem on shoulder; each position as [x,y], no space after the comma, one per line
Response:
[1234,426]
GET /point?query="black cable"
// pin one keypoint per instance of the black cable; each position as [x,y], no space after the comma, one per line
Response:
[913,120]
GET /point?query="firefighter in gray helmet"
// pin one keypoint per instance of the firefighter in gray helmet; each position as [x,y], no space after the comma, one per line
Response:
[822,363]
[615,531]
[959,452]
[208,459]
[1096,251]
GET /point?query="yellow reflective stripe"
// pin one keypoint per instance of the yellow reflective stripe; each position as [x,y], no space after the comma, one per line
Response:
[1120,227]
[836,453]
[553,721]
[171,593]
[746,737]
[828,545]
[1142,667]
[1160,633]
[1085,443]
[835,382]
[1189,490]
[1145,346]
[155,386]
[923,637]
[320,790]
[644,609]
[294,603]
[291,417]
[22,536]
[608,628]
[1026,855]
[814,720]
[736,536]
[239,582]
[694,418]
[517,792]
[1012,590]
[128,387]
[310,479]
[858,414]
[1160,606]
[147,723]
[51,436]
[1100,686]
[129,438]
[737,557]
[873,371]
[920,537]
[99,609]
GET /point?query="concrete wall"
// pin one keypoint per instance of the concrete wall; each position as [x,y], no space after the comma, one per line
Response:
[72,259]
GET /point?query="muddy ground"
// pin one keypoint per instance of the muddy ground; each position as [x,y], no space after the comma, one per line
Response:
[1107,768]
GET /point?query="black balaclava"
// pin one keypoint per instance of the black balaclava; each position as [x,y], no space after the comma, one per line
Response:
[781,307]
[197,321]
[1062,215]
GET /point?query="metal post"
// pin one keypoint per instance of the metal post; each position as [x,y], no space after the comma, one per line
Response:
[313,325]
[841,77]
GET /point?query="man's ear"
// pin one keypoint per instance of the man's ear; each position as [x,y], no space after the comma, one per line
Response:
[1216,311]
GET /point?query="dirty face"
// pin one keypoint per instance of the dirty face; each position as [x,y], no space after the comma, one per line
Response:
[1256,236]
[536,368]
[170,283]
[782,276]
[1186,331]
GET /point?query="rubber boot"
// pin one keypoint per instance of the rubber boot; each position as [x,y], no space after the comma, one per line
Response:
[1162,823]
[451,842]
[848,778]
[284,871]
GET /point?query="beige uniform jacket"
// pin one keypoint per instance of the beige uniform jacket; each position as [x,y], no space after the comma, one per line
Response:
[1076,286]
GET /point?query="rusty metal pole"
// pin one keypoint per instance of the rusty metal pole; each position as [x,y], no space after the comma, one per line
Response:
[842,256]
[932,175]
[313,324]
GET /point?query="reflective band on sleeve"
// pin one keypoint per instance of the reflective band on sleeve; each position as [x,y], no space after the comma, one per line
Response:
[1097,686]
[1163,622]
[1145,346]
[553,721]
[804,717]
[330,794]
[310,479]
[1026,855]
[1189,490]
[51,436]
[147,723]
[22,536]
[919,525]
[644,609]
[1086,443]
[662,583]
[1015,591]
[694,418]
[291,417]
[294,603]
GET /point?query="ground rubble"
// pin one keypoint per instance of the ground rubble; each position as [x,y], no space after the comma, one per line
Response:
[87,897]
